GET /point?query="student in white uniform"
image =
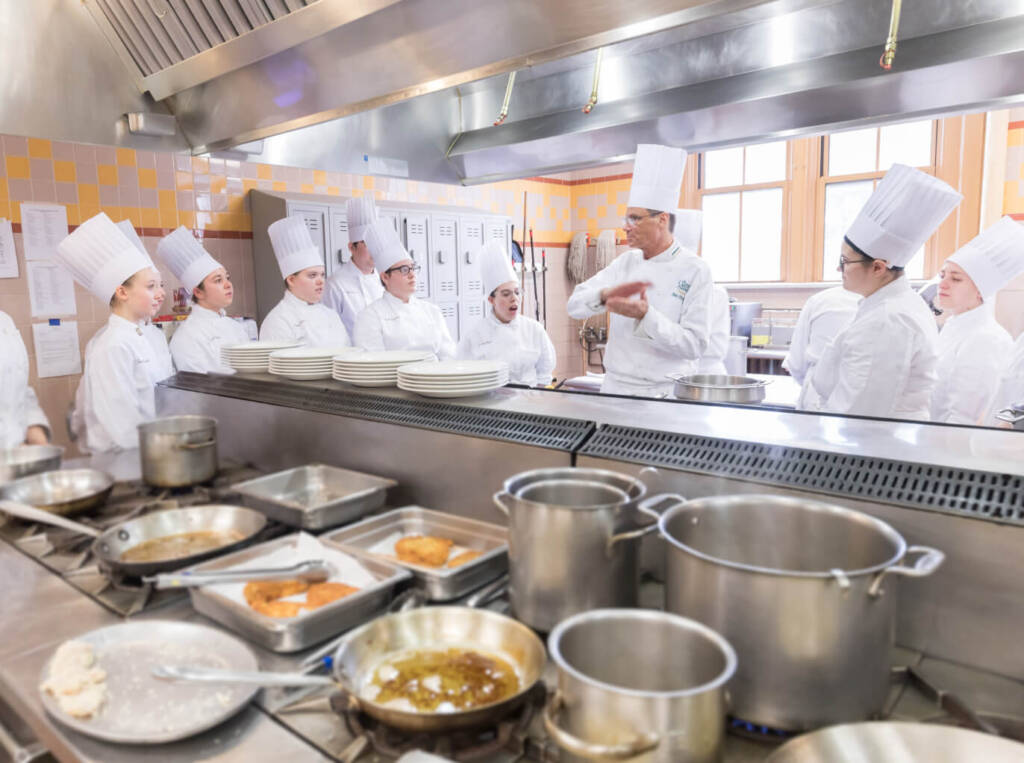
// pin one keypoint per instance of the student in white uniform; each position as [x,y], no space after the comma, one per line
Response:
[22,421]
[883,363]
[821,319]
[356,283]
[198,339]
[299,316]
[399,320]
[504,334]
[153,333]
[973,348]
[658,293]
[121,370]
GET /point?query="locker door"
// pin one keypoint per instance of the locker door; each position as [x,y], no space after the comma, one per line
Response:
[417,242]
[314,216]
[444,276]
[470,311]
[338,237]
[496,228]
[471,241]
[450,311]
[393,215]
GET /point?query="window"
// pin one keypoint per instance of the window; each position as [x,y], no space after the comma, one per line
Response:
[743,198]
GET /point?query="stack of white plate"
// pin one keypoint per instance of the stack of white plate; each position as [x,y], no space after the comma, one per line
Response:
[252,357]
[305,363]
[453,378]
[374,369]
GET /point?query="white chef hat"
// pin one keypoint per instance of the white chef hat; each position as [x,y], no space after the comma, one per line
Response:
[100,257]
[902,212]
[360,212]
[385,247]
[186,258]
[496,267]
[689,223]
[994,257]
[657,177]
[293,246]
[126,227]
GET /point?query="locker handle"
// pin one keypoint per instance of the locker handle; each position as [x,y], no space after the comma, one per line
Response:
[469,257]
[412,255]
[440,256]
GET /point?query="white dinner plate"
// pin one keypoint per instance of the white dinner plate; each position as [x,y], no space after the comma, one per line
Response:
[310,353]
[450,387]
[446,368]
[389,357]
[454,393]
[302,376]
[443,379]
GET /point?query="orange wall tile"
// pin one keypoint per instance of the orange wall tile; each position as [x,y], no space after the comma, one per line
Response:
[39,148]
[17,167]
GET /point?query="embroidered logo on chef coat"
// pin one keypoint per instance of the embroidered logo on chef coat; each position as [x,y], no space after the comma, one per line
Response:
[680,291]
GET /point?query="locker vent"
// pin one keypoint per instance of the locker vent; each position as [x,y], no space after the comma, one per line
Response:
[526,429]
[954,491]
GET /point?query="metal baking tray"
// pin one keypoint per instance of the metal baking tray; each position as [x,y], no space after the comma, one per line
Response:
[294,634]
[315,496]
[440,583]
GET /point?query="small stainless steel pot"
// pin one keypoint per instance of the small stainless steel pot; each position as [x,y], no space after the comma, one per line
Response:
[1014,415]
[796,588]
[717,388]
[573,541]
[24,460]
[178,451]
[639,685]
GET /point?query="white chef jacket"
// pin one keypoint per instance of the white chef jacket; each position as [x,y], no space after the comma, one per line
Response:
[821,319]
[197,340]
[121,373]
[1011,386]
[391,324]
[974,351]
[161,353]
[19,406]
[883,363]
[713,361]
[522,343]
[349,290]
[670,338]
[295,320]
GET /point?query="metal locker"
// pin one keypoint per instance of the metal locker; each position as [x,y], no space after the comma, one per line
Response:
[337,235]
[444,274]
[497,229]
[417,243]
[393,215]
[450,311]
[314,216]
[471,241]
[471,310]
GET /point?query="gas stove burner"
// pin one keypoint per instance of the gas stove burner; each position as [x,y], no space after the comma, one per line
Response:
[758,732]
[509,735]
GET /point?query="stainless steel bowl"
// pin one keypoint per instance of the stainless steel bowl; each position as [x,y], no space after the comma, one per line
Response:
[718,388]
[67,491]
[28,459]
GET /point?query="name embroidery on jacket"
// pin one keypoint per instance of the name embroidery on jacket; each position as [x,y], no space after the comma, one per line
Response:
[681,290]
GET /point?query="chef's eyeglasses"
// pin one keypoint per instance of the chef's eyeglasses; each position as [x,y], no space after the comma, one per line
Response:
[843,262]
[404,269]
[633,220]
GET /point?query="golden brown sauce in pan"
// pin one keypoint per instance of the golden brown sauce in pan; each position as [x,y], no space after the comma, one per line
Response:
[463,677]
[180,546]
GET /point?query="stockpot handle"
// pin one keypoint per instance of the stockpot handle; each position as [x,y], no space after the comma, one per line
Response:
[194,445]
[931,559]
[647,507]
[590,750]
[499,499]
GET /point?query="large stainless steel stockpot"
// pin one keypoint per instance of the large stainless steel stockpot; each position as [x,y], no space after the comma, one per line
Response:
[177,451]
[573,541]
[639,685]
[796,587]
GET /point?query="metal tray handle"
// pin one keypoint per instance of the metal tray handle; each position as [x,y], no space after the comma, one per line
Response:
[930,561]
[573,744]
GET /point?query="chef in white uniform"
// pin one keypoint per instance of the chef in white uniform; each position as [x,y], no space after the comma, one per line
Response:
[973,348]
[153,333]
[821,319]
[399,320]
[658,293]
[504,334]
[883,363]
[356,283]
[299,316]
[22,421]
[121,369]
[197,341]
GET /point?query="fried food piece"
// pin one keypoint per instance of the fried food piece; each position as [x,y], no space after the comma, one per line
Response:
[277,608]
[424,549]
[464,558]
[324,593]
[269,590]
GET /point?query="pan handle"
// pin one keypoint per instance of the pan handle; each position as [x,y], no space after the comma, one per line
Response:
[260,678]
[573,744]
[499,499]
[929,561]
[194,445]
[32,514]
[647,507]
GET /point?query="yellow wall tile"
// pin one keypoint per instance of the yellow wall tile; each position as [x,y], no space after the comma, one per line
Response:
[107,174]
[183,181]
[126,157]
[89,193]
[187,218]
[64,172]
[357,192]
[200,166]
[248,184]
[306,188]
[333,191]
[168,217]
[17,167]
[87,211]
[150,217]
[602,211]
[367,182]
[280,185]
[40,148]
[14,213]
[236,204]
[218,183]
[147,178]
[5,208]
[319,177]
[167,201]
[114,213]
[264,172]
[74,216]
[3,189]
[1015,137]
[134,214]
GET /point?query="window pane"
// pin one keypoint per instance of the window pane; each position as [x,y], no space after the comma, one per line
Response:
[720,243]
[766,162]
[909,143]
[842,203]
[852,152]
[723,168]
[761,238]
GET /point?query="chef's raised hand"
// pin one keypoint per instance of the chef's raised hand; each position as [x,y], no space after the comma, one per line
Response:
[630,308]
[627,289]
